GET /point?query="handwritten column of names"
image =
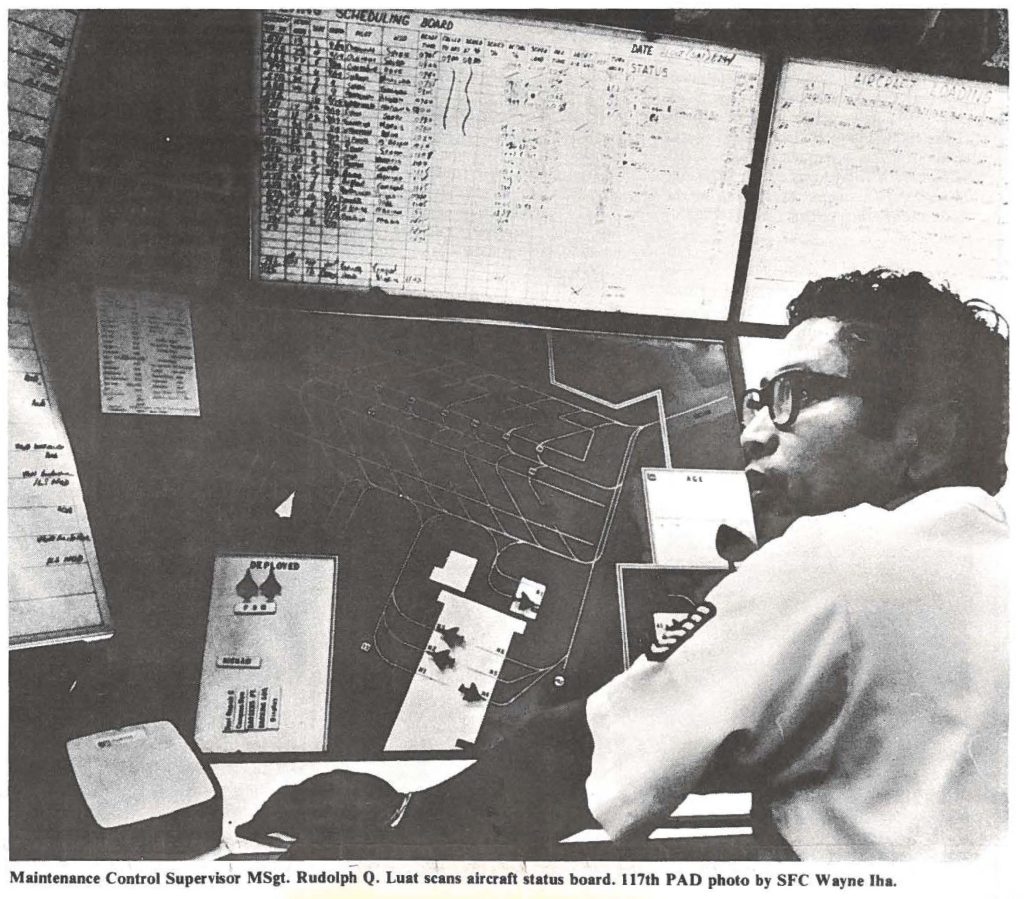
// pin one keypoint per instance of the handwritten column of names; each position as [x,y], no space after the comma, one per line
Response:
[54,588]
[469,158]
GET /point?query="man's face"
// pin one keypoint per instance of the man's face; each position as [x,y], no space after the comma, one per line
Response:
[823,462]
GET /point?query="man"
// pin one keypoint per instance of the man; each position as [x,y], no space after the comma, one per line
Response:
[855,673]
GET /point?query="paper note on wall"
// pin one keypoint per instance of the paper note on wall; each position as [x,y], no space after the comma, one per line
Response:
[54,586]
[147,355]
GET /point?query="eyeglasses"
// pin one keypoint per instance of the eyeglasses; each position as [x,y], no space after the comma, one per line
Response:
[787,393]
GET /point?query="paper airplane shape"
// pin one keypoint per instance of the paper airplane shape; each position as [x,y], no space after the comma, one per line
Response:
[246,587]
[285,509]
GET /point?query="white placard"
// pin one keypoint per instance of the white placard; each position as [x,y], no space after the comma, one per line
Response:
[868,167]
[456,571]
[55,593]
[463,157]
[266,679]
[147,355]
[686,507]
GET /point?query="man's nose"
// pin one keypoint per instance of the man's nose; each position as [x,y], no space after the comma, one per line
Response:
[760,437]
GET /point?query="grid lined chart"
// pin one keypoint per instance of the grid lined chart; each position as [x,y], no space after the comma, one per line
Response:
[868,167]
[39,42]
[469,158]
[55,593]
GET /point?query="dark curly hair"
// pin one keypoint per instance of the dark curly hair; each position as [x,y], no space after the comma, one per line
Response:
[913,340]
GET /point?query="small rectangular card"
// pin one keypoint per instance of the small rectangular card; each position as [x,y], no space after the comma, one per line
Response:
[147,354]
[252,708]
[269,640]
[685,509]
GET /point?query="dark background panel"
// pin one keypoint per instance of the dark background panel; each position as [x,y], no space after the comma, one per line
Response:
[286,400]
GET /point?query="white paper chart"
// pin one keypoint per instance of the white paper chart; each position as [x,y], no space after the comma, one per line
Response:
[470,158]
[55,593]
[39,44]
[147,355]
[867,167]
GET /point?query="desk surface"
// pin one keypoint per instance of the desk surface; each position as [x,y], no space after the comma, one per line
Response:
[246,786]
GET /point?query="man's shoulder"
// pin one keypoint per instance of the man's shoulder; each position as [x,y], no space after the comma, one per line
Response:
[949,510]
[950,504]
[816,550]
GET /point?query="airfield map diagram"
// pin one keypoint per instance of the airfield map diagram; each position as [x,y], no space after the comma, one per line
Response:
[472,509]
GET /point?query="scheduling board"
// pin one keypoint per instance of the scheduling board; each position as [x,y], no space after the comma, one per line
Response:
[470,158]
[867,167]
[39,47]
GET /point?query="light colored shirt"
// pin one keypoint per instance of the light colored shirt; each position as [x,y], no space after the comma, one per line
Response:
[856,669]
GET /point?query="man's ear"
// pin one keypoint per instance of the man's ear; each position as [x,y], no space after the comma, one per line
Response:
[929,433]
